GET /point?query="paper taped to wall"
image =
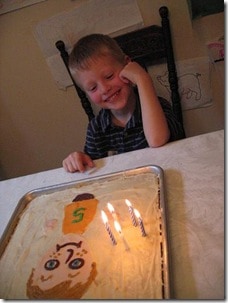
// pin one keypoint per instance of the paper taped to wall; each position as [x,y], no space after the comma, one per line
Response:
[216,50]
[193,81]
[7,6]
[112,17]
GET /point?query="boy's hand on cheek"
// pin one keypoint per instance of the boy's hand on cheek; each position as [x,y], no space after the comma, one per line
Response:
[123,76]
[132,73]
[77,161]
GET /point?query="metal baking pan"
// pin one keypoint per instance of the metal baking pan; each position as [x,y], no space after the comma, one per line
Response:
[165,256]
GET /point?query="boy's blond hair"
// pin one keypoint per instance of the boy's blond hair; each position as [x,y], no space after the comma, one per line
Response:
[91,46]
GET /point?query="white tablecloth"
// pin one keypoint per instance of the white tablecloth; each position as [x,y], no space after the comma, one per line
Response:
[194,183]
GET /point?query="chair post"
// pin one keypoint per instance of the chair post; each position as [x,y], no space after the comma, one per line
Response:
[173,80]
[84,101]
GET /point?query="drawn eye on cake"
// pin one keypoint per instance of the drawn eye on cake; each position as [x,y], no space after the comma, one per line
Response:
[51,264]
[65,271]
[76,263]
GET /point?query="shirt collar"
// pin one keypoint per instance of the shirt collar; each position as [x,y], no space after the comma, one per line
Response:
[106,120]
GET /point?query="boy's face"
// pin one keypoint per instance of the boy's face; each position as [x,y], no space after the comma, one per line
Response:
[102,84]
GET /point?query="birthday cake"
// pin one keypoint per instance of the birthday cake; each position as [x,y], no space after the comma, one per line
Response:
[71,245]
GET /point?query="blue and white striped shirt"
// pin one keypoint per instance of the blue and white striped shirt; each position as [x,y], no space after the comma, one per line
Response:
[103,137]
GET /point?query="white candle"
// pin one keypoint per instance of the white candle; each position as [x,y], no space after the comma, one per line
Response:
[137,214]
[119,230]
[105,220]
[131,211]
[112,210]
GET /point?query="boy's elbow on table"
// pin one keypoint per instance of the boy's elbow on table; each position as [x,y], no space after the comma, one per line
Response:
[158,141]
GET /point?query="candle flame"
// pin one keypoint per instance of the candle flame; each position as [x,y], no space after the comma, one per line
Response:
[110,207]
[128,202]
[104,217]
[137,213]
[117,226]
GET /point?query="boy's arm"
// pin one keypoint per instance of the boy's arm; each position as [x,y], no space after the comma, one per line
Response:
[154,122]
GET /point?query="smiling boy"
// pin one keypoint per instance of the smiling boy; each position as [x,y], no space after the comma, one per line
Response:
[132,116]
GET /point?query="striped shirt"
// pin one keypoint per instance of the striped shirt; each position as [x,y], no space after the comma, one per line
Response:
[103,137]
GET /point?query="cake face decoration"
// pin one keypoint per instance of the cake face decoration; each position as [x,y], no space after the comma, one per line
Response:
[65,271]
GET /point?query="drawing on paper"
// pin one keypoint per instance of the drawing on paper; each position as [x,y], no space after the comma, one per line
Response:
[193,82]
[189,85]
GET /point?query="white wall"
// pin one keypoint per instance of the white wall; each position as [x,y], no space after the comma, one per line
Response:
[40,124]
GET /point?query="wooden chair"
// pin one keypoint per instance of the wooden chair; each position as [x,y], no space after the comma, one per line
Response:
[148,46]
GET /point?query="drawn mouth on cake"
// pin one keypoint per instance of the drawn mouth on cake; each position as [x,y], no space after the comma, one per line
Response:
[43,279]
[73,275]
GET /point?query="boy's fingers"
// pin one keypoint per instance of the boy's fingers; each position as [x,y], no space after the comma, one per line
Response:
[88,161]
[91,164]
[77,162]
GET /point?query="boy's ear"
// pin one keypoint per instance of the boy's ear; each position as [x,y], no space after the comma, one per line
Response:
[127,59]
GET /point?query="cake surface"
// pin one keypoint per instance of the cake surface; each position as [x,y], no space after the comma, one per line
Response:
[131,269]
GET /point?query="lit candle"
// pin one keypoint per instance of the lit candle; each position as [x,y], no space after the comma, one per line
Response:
[112,210]
[105,220]
[137,214]
[131,211]
[119,230]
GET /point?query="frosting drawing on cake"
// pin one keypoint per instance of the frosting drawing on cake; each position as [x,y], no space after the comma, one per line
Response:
[79,213]
[64,272]
[67,269]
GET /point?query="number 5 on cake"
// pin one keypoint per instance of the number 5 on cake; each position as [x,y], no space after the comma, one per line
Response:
[78,215]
